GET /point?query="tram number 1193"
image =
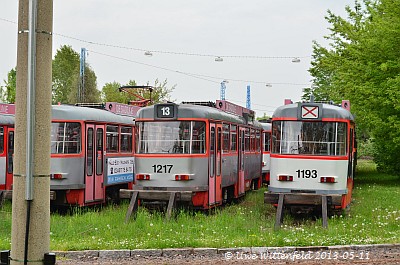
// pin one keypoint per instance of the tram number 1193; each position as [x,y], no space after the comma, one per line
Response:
[307,173]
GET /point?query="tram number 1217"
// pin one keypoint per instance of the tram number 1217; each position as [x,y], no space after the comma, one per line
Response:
[307,173]
[162,168]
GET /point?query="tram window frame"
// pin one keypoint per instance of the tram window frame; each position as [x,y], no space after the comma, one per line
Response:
[89,152]
[233,134]
[126,139]
[99,150]
[247,139]
[171,137]
[112,139]
[291,138]
[252,140]
[198,140]
[2,139]
[258,140]
[66,138]
[10,151]
[267,141]
[225,138]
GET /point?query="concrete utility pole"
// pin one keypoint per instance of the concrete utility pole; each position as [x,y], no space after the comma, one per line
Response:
[30,236]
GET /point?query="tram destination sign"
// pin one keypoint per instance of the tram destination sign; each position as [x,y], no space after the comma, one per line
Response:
[7,108]
[165,111]
[122,109]
[310,111]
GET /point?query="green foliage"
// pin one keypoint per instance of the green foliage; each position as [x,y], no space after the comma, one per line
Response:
[65,73]
[365,148]
[91,93]
[160,93]
[7,92]
[66,78]
[363,65]
[265,117]
[373,219]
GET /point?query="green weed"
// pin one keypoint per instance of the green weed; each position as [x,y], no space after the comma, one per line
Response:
[374,217]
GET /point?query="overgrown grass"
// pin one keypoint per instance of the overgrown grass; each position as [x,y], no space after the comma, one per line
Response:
[374,217]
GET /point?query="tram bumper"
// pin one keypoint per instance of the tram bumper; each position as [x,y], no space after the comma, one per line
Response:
[302,198]
[156,195]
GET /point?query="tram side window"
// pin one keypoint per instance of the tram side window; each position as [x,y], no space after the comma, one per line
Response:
[267,142]
[126,139]
[252,140]
[258,140]
[247,140]
[233,138]
[199,138]
[225,136]
[65,138]
[112,138]
[1,139]
[89,156]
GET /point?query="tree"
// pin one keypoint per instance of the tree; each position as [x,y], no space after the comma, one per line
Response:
[363,65]
[66,78]
[160,93]
[7,92]
[91,93]
[65,73]
[263,118]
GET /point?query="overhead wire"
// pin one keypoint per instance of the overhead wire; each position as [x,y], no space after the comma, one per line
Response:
[193,75]
[167,52]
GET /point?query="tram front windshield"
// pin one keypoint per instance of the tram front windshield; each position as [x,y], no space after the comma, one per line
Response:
[172,137]
[309,138]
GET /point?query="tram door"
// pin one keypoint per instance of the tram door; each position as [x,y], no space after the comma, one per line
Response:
[10,158]
[214,181]
[94,163]
[241,149]
[211,174]
[218,165]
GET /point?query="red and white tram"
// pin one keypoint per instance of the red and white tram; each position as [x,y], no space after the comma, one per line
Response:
[7,112]
[266,150]
[313,153]
[208,154]
[92,154]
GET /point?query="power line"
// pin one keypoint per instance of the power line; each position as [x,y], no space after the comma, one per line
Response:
[9,21]
[154,66]
[168,52]
[198,76]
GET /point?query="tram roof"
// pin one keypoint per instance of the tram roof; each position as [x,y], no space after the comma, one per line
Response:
[197,111]
[69,112]
[7,119]
[328,111]
[266,126]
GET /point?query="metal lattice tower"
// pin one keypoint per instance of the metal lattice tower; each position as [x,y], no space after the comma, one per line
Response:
[223,88]
[248,102]
[81,88]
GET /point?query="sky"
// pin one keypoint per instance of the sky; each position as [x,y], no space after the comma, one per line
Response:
[257,40]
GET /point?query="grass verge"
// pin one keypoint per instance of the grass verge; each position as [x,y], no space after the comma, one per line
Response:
[374,217]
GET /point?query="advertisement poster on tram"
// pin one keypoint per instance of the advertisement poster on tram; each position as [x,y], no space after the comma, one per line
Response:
[119,170]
